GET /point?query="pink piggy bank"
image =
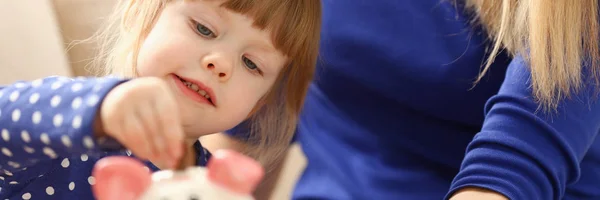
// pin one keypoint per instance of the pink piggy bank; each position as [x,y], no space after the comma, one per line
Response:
[228,176]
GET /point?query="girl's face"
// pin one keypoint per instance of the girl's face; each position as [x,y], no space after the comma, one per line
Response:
[217,64]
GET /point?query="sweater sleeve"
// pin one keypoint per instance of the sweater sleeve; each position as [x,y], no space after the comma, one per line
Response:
[523,152]
[47,119]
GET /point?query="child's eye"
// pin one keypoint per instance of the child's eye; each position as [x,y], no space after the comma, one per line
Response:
[249,64]
[204,31]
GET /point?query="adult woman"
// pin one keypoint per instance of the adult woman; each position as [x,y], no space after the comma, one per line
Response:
[393,107]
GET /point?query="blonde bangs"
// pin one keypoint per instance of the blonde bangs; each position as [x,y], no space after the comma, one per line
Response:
[291,22]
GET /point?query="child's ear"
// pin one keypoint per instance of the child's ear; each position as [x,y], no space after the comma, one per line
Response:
[120,177]
[234,171]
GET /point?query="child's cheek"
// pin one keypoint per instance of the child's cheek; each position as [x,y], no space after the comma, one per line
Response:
[159,58]
[244,106]
[165,49]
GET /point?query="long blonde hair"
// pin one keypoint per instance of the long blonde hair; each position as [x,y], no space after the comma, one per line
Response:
[295,27]
[555,37]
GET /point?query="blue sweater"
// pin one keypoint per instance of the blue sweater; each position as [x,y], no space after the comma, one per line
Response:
[46,146]
[391,116]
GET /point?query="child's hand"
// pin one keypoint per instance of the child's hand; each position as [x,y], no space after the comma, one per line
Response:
[142,115]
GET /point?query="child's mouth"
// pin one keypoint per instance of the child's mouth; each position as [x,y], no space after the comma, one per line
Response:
[197,89]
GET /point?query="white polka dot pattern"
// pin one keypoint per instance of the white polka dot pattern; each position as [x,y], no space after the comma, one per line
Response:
[16,115]
[55,101]
[5,135]
[92,100]
[57,120]
[37,83]
[25,136]
[66,140]
[6,152]
[76,87]
[34,98]
[47,124]
[36,118]
[50,190]
[76,103]
[14,96]
[28,149]
[27,196]
[58,106]
[65,163]
[14,164]
[91,180]
[45,138]
[76,122]
[56,85]
[84,157]
[88,142]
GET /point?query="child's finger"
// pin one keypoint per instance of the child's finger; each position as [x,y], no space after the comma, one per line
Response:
[176,141]
[137,140]
[149,118]
[172,131]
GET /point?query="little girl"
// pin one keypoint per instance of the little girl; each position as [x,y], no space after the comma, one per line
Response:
[182,69]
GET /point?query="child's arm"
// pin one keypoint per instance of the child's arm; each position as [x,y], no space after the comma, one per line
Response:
[48,118]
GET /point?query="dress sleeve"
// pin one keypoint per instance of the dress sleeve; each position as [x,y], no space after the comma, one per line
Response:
[48,118]
[523,152]
[203,155]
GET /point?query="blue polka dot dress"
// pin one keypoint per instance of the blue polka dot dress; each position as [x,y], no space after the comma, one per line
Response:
[47,150]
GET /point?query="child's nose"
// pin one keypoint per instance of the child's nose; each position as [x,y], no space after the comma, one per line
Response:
[221,69]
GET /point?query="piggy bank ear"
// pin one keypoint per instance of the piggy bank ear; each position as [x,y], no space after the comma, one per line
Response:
[120,177]
[234,171]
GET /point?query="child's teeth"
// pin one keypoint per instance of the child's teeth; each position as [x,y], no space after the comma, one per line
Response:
[196,88]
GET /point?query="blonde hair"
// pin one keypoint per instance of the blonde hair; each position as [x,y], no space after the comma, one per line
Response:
[556,38]
[295,29]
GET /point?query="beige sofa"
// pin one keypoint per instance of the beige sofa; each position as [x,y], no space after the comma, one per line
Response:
[34,38]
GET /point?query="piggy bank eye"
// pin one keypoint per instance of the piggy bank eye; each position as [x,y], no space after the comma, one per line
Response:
[194,197]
